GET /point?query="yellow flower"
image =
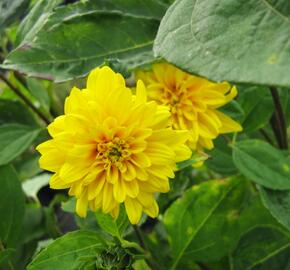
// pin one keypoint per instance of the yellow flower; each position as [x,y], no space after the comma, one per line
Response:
[193,102]
[113,147]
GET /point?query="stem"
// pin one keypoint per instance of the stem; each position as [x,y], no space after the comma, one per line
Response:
[140,237]
[2,248]
[278,122]
[149,260]
[25,99]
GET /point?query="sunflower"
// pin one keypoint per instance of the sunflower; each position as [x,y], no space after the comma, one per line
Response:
[193,102]
[112,147]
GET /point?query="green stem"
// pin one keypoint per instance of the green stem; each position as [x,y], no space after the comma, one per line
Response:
[140,237]
[278,122]
[24,99]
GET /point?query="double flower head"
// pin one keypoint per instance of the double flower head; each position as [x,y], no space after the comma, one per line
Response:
[112,146]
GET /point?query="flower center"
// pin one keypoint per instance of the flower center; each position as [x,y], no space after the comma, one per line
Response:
[113,151]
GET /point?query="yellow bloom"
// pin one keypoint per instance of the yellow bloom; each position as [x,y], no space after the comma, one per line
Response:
[193,102]
[111,146]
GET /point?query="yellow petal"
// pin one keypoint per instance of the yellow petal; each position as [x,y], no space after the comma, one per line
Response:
[228,124]
[82,206]
[108,200]
[119,191]
[133,209]
[132,188]
[141,96]
[152,210]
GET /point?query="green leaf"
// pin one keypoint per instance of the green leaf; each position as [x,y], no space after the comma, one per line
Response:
[278,203]
[5,255]
[68,251]
[195,159]
[141,265]
[238,41]
[33,185]
[111,226]
[149,9]
[262,163]
[14,139]
[33,227]
[258,246]
[84,28]
[35,20]
[203,224]
[10,10]
[38,91]
[258,106]
[15,112]
[221,160]
[11,206]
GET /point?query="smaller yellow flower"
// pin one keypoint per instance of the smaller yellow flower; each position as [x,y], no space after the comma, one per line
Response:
[112,147]
[193,102]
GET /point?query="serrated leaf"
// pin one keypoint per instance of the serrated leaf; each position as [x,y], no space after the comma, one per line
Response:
[262,163]
[258,246]
[67,251]
[203,223]
[85,26]
[11,206]
[239,41]
[14,139]
[278,203]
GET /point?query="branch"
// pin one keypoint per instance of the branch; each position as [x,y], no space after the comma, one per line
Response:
[278,122]
[25,99]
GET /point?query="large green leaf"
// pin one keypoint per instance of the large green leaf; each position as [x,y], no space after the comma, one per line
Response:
[12,111]
[14,139]
[149,9]
[278,203]
[68,252]
[11,206]
[262,163]
[75,39]
[241,41]
[10,10]
[203,224]
[35,20]
[258,246]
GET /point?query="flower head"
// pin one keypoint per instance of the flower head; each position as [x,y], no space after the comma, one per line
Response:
[193,102]
[113,147]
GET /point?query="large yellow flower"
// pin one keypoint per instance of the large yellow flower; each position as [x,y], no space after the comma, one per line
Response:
[111,147]
[193,102]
